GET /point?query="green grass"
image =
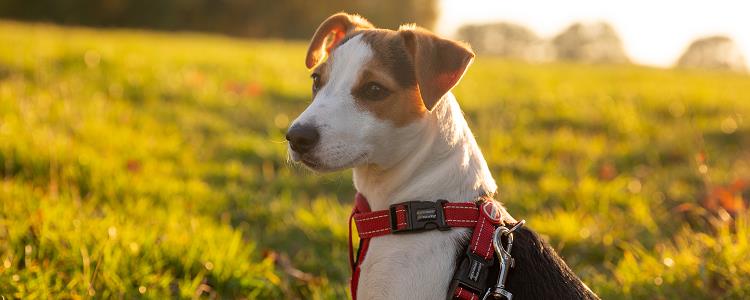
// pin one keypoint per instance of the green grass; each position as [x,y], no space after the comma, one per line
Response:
[153,165]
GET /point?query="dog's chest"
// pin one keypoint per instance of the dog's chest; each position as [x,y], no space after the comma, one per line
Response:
[411,266]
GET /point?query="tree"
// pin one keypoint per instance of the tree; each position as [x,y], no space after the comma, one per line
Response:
[252,18]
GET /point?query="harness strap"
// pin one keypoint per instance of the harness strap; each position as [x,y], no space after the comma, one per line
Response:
[470,278]
[360,206]
[377,223]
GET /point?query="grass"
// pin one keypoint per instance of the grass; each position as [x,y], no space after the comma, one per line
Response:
[153,165]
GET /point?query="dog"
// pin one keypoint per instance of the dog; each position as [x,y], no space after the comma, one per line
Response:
[382,106]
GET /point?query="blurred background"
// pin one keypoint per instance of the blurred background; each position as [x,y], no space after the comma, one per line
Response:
[142,148]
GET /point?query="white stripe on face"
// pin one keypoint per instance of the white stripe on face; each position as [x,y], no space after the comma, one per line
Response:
[344,65]
[343,128]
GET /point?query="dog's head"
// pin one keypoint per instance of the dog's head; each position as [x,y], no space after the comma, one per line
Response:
[371,88]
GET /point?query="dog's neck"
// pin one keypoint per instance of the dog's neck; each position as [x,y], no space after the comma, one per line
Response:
[438,158]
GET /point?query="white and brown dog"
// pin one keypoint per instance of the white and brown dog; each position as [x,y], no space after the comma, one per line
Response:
[382,105]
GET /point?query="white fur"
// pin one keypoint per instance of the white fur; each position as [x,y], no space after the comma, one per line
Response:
[435,157]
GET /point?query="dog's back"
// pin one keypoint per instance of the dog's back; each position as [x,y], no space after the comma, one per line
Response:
[540,273]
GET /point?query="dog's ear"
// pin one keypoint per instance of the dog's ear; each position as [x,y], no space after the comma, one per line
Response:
[330,33]
[438,63]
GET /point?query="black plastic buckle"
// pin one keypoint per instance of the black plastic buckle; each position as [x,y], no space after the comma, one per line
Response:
[472,273]
[420,215]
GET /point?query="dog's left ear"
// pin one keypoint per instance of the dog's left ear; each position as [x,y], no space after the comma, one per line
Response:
[438,63]
[330,33]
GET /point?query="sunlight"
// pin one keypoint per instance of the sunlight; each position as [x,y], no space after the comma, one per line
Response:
[654,32]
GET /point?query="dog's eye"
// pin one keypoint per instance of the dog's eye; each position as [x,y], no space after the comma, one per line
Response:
[374,91]
[316,82]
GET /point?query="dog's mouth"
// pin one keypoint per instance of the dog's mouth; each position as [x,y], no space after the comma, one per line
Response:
[317,164]
[309,162]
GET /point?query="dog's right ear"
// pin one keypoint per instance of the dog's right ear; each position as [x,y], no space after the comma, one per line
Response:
[330,33]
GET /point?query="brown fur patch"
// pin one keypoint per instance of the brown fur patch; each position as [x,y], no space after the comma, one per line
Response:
[439,63]
[392,68]
[390,51]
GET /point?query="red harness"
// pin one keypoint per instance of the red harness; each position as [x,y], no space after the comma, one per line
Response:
[470,280]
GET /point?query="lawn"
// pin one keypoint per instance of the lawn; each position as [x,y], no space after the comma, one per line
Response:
[153,165]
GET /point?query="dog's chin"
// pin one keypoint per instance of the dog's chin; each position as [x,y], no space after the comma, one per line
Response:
[326,165]
[314,164]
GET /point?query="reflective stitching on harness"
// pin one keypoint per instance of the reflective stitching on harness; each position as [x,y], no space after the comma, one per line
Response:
[479,236]
[462,207]
[487,253]
[379,230]
[371,218]
[372,231]
[380,216]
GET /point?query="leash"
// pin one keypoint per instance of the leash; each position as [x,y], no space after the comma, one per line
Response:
[471,277]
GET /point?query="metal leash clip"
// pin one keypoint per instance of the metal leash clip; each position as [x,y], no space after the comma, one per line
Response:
[506,261]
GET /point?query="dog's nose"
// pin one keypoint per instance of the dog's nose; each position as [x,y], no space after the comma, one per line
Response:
[302,138]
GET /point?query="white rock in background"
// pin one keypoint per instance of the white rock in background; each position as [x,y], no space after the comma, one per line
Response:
[590,43]
[715,52]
